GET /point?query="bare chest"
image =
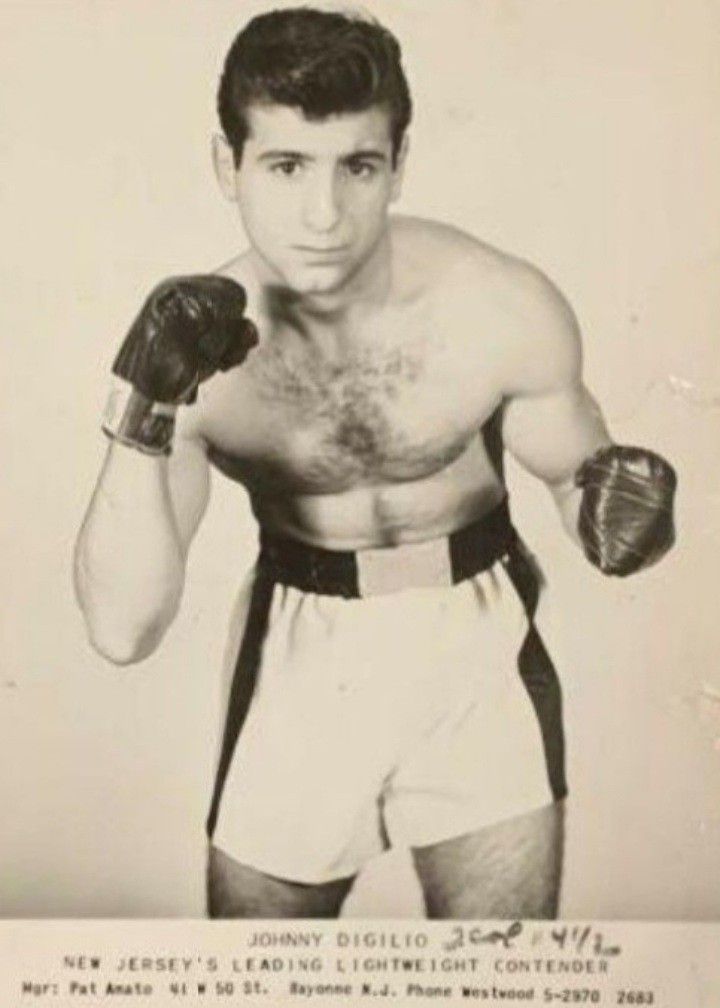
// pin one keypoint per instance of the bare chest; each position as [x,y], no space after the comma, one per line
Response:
[394,408]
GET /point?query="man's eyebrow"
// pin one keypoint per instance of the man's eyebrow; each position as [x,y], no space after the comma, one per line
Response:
[366,155]
[289,155]
[293,155]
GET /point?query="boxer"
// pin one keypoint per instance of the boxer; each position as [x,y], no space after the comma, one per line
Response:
[361,374]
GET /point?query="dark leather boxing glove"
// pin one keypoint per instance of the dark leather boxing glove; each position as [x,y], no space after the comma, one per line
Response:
[626,512]
[189,328]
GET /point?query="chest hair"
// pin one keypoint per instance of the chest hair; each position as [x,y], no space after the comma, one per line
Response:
[351,405]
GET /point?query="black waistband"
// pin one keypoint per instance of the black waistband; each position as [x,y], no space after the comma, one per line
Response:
[471,549]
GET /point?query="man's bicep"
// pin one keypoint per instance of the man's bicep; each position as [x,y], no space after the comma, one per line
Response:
[551,433]
[551,423]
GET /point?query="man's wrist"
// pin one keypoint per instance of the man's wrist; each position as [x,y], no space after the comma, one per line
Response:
[133,419]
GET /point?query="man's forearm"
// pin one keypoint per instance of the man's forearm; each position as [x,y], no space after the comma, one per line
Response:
[129,561]
[130,555]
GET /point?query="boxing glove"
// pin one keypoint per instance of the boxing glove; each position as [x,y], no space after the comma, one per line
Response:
[625,521]
[189,328]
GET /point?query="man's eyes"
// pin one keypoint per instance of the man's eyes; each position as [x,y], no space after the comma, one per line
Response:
[357,169]
[287,168]
[362,169]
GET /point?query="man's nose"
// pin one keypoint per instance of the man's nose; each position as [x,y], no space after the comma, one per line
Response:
[322,209]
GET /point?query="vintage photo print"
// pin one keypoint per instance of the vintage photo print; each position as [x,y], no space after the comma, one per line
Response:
[434,303]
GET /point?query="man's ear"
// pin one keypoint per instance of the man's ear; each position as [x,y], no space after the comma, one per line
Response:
[224,165]
[399,169]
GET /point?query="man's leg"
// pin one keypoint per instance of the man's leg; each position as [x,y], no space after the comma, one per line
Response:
[235,890]
[509,870]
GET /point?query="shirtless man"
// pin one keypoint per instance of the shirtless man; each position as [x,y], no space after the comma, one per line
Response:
[390,685]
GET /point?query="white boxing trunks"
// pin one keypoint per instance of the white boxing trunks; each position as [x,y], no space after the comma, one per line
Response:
[400,715]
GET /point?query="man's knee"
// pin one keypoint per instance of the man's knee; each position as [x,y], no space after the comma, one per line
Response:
[236,890]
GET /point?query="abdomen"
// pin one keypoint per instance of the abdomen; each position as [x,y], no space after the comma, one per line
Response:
[383,512]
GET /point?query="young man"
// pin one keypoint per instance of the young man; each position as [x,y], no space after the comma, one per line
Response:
[390,685]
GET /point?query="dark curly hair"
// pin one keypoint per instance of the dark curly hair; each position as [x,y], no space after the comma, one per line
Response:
[319,61]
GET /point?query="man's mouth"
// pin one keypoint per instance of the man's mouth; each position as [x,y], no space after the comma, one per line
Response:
[322,250]
[314,256]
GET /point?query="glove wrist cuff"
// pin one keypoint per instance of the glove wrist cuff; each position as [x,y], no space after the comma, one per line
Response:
[137,421]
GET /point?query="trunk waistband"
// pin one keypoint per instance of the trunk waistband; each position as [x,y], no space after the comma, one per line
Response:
[357,574]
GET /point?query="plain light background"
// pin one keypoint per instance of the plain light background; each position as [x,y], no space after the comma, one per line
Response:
[581,135]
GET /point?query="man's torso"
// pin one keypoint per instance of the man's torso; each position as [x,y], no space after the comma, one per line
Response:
[374,437]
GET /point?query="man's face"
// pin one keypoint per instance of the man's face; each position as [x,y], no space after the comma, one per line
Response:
[314,196]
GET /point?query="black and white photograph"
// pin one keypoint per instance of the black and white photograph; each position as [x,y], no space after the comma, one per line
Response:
[361,486]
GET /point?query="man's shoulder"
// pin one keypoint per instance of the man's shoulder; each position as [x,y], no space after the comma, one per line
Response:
[490,296]
[431,250]
[443,253]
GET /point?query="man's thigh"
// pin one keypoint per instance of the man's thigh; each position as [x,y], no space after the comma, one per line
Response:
[508,870]
[236,890]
